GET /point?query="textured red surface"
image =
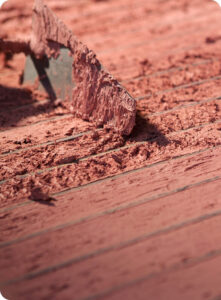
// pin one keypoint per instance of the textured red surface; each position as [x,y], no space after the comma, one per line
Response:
[136,217]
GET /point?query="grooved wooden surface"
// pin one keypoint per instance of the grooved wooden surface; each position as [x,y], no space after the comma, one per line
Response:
[136,217]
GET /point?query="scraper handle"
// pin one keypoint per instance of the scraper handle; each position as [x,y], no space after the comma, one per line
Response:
[15,46]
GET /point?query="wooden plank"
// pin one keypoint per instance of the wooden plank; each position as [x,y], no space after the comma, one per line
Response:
[200,281]
[98,166]
[151,181]
[157,231]
[50,155]
[169,47]
[40,132]
[171,97]
[151,233]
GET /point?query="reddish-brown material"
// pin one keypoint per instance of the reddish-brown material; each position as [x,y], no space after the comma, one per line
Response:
[97,96]
[135,217]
